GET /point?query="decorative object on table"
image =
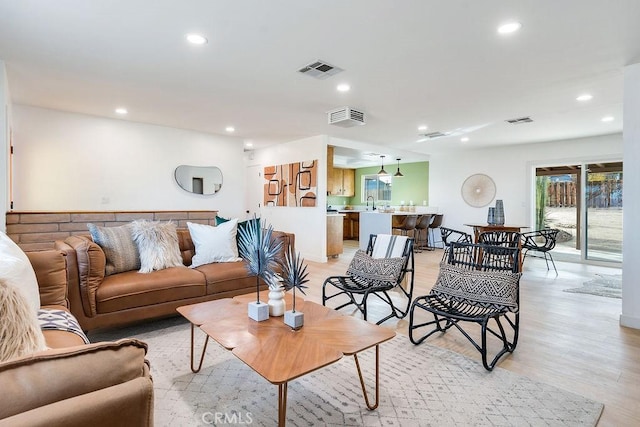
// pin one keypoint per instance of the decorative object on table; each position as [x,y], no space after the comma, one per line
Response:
[294,276]
[276,302]
[499,219]
[260,252]
[491,216]
[478,190]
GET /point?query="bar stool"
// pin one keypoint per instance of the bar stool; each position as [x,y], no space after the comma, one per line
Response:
[436,223]
[408,224]
[423,225]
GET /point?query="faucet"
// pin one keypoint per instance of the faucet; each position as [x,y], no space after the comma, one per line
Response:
[373,202]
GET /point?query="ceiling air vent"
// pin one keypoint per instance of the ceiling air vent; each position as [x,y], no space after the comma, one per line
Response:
[320,70]
[432,135]
[519,120]
[345,117]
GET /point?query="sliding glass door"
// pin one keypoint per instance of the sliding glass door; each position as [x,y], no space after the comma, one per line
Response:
[603,216]
[583,201]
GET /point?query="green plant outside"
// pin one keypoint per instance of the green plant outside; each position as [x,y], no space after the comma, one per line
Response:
[542,183]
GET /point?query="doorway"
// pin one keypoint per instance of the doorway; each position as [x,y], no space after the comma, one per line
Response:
[583,201]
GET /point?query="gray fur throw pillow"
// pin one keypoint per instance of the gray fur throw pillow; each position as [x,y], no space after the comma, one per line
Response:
[157,245]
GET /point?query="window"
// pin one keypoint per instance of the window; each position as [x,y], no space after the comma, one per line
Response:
[376,186]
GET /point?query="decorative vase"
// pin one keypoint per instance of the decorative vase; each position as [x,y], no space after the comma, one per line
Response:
[276,302]
[491,216]
[499,214]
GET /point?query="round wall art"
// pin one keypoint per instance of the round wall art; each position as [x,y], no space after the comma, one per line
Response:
[478,190]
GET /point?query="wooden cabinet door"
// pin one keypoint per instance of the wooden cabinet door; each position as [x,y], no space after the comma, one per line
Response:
[348,182]
[337,189]
[346,227]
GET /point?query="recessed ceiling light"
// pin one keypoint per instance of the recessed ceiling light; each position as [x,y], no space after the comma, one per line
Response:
[464,139]
[510,27]
[343,87]
[584,97]
[248,144]
[121,110]
[230,129]
[196,39]
[607,118]
[422,127]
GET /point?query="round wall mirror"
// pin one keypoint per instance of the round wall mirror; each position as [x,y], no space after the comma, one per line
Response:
[204,180]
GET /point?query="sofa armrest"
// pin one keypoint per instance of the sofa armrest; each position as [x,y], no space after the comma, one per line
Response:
[88,265]
[53,376]
[51,272]
[126,404]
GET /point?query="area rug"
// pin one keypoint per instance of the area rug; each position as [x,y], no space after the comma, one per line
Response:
[604,285]
[419,386]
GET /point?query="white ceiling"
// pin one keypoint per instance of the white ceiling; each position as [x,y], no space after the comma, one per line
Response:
[409,62]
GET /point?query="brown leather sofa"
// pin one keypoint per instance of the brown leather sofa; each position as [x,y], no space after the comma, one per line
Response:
[100,301]
[73,383]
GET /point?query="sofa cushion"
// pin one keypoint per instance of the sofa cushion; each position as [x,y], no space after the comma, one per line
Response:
[226,276]
[51,270]
[157,244]
[214,244]
[132,289]
[119,248]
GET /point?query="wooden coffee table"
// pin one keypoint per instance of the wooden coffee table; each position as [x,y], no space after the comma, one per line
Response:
[278,353]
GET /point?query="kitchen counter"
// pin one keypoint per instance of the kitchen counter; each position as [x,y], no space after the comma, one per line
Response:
[375,222]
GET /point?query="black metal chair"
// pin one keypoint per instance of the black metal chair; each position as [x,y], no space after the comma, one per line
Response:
[509,239]
[387,264]
[479,283]
[435,223]
[542,242]
[450,235]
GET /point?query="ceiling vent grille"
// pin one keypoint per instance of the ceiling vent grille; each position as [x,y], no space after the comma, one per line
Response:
[432,135]
[519,120]
[345,117]
[320,70]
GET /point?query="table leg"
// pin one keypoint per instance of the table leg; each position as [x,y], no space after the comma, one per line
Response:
[282,404]
[364,391]
[204,349]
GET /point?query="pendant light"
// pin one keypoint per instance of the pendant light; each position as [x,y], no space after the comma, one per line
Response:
[382,171]
[398,173]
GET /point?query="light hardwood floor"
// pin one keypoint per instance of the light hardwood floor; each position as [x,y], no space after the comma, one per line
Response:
[572,341]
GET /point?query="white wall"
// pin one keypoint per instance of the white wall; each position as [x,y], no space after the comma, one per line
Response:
[5,125]
[308,224]
[510,168]
[67,161]
[631,251]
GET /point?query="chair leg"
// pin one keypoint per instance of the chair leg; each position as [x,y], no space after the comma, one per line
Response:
[552,262]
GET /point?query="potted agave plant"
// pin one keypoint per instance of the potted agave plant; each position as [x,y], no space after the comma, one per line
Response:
[260,251]
[294,276]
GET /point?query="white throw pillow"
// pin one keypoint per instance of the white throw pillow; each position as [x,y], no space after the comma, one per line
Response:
[16,271]
[214,244]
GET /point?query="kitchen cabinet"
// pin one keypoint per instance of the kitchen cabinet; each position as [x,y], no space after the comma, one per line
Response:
[343,182]
[334,235]
[351,226]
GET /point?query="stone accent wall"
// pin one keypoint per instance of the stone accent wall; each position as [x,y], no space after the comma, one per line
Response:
[34,231]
